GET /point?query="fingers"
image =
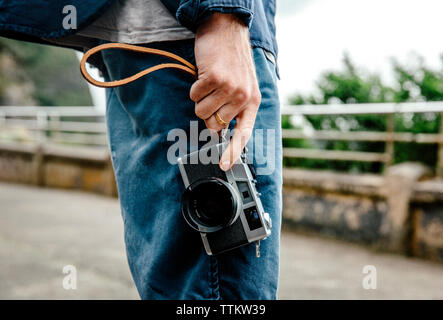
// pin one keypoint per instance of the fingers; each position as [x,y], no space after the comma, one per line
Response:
[227,104]
[228,100]
[210,104]
[242,133]
[226,113]
[202,88]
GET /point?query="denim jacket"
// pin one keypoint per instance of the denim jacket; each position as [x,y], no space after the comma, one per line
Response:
[37,20]
[257,14]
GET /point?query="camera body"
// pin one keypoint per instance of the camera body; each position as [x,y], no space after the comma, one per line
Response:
[224,207]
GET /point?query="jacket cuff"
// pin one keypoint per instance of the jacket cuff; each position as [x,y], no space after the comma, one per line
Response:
[191,13]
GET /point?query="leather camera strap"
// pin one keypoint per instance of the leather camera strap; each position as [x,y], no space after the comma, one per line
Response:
[184,65]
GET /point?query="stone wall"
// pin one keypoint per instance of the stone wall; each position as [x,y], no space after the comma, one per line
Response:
[401,211]
[60,167]
[427,220]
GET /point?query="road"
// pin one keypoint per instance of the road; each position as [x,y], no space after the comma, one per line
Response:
[43,230]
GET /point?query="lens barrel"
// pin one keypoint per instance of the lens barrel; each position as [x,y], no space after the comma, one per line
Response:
[210,204]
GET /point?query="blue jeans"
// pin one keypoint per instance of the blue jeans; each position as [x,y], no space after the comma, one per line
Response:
[166,257]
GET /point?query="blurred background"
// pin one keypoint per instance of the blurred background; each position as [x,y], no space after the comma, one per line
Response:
[362,97]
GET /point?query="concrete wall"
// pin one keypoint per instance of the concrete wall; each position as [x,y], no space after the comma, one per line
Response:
[340,205]
[427,220]
[59,167]
[401,211]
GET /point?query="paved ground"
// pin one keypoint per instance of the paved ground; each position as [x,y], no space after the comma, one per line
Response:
[43,230]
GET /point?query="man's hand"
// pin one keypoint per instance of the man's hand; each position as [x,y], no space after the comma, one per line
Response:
[227,83]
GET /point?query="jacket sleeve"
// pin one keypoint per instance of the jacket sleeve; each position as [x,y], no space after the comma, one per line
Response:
[191,13]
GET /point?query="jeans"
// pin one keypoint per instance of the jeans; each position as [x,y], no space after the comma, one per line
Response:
[166,257]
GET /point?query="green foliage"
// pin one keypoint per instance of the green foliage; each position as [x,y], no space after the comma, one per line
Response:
[53,73]
[352,85]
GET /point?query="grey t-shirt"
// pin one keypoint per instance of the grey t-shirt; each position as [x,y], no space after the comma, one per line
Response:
[136,22]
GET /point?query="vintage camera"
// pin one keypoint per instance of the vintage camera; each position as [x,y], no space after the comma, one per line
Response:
[224,207]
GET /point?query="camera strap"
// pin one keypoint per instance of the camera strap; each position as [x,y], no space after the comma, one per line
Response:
[183,64]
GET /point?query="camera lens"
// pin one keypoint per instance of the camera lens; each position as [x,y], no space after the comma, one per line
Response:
[210,204]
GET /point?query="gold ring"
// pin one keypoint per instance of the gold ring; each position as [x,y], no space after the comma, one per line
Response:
[220,120]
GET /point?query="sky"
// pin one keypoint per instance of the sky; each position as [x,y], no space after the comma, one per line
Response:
[314,34]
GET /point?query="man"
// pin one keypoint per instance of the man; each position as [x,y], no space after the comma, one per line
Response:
[232,43]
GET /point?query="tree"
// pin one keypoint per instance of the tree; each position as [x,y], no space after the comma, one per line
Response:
[34,74]
[416,82]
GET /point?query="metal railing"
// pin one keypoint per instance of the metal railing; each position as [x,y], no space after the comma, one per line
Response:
[389,137]
[85,126]
[59,125]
